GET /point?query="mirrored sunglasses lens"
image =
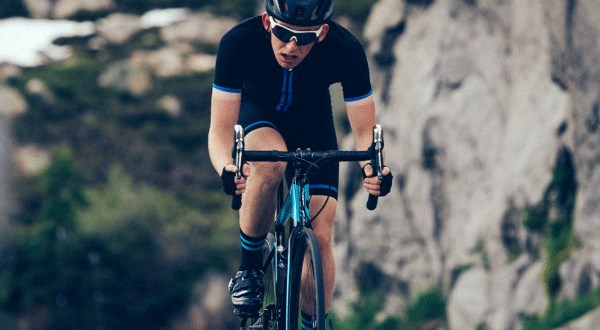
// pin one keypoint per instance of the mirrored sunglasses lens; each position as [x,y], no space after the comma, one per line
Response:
[305,38]
[282,33]
[286,35]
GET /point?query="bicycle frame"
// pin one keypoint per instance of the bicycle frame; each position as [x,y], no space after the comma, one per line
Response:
[296,205]
[295,212]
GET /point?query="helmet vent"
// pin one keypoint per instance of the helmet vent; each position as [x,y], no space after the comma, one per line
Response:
[300,11]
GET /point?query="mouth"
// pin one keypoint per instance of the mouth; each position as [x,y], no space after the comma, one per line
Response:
[289,58]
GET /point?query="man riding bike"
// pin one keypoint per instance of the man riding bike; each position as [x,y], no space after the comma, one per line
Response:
[272,76]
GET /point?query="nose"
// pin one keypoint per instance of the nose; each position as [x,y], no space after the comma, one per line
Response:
[293,43]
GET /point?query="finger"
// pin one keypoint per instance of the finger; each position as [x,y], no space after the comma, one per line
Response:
[372,181]
[371,187]
[246,169]
[386,170]
[240,188]
[374,192]
[230,168]
[368,169]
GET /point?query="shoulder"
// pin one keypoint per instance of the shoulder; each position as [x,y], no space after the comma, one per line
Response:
[341,39]
[248,30]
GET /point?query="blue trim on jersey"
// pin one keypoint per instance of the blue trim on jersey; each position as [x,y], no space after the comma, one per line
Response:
[290,84]
[286,91]
[282,98]
[225,89]
[351,99]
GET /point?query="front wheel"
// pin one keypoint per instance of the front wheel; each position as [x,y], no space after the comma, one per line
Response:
[305,287]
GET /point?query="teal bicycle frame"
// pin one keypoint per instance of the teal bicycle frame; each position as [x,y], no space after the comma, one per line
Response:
[287,257]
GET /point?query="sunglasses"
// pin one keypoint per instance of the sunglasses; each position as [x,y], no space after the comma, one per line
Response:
[286,34]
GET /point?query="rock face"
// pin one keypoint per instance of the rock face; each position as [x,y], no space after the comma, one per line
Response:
[490,110]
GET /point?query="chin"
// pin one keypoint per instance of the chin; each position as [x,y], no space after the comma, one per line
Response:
[286,65]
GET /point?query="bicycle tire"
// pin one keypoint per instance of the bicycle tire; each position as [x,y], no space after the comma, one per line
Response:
[273,316]
[303,242]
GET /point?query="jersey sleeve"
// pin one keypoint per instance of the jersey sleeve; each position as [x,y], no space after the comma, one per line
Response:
[229,64]
[354,70]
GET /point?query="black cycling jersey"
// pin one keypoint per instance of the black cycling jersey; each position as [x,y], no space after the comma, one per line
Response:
[295,102]
[246,64]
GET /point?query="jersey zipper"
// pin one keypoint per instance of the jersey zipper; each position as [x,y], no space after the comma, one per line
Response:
[286,90]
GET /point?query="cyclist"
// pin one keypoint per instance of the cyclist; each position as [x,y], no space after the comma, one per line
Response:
[272,76]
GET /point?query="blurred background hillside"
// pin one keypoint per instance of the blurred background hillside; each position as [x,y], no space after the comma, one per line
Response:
[114,217]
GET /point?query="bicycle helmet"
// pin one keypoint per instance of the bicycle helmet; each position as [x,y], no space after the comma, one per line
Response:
[300,12]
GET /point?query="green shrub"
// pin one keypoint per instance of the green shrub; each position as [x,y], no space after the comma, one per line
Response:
[427,309]
[561,313]
[429,305]
[534,218]
[553,218]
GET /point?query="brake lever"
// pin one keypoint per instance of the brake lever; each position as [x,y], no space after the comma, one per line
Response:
[236,200]
[376,162]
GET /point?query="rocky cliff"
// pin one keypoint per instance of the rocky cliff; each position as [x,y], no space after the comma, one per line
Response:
[491,117]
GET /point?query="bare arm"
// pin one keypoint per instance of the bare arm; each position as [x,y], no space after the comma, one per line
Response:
[361,115]
[224,112]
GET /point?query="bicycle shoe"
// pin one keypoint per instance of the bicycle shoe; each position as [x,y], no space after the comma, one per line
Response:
[247,290]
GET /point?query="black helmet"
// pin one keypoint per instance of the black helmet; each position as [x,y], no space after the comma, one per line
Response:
[300,12]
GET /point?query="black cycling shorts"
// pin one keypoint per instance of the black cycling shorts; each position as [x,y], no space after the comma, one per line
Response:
[299,130]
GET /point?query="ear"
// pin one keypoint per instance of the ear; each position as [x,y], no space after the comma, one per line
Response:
[324,32]
[265,21]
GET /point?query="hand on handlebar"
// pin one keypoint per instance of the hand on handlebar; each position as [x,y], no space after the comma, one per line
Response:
[375,186]
[231,184]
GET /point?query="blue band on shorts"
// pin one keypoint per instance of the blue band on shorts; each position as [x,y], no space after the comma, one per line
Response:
[259,124]
[323,189]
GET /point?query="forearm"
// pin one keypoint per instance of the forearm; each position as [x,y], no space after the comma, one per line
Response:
[219,149]
[361,115]
[225,109]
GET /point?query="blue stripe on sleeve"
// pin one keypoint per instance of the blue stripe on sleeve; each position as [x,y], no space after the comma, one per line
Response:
[351,99]
[225,89]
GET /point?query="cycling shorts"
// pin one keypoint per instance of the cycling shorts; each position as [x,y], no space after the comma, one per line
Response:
[299,130]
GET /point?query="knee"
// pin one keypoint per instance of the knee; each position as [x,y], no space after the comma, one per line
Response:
[323,223]
[267,173]
[324,235]
[325,239]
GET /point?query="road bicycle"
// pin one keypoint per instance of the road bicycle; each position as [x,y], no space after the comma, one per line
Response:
[286,260]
